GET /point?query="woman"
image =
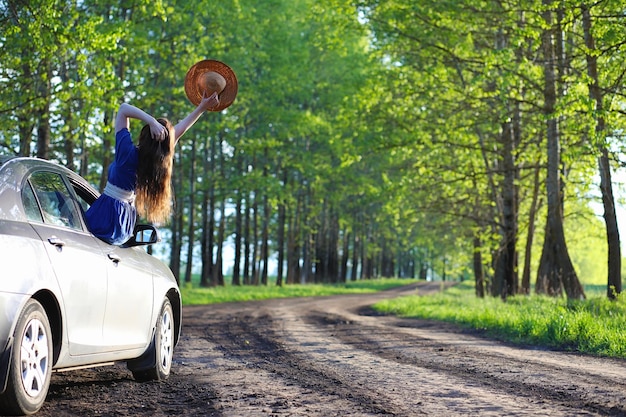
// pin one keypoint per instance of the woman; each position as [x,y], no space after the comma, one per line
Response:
[139,178]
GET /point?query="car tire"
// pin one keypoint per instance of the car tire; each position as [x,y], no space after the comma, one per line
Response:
[30,364]
[162,345]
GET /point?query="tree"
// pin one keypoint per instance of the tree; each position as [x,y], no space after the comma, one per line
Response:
[556,272]
[614,284]
[362,144]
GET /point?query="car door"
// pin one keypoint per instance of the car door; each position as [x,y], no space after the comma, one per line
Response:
[128,313]
[128,310]
[76,257]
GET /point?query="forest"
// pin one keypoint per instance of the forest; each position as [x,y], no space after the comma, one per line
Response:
[434,139]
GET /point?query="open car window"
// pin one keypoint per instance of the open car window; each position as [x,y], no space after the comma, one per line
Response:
[84,196]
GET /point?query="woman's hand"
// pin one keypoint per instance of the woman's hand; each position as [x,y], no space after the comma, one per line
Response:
[158,131]
[128,111]
[209,102]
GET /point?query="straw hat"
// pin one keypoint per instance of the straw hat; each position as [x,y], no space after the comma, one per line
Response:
[209,76]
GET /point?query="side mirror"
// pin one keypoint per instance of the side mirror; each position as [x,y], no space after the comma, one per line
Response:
[144,234]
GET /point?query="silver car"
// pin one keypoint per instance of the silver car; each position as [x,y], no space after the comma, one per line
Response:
[67,299]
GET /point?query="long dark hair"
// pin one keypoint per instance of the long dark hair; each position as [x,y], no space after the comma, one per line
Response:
[154,174]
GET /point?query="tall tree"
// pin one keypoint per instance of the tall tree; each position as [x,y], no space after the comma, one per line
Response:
[556,271]
[614,284]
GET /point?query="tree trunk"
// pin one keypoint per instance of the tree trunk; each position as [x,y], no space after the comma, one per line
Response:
[218,274]
[26,136]
[218,271]
[24,118]
[505,275]
[208,216]
[280,238]
[386,261]
[320,257]
[556,271]
[307,249]
[106,155]
[479,275]
[255,239]
[238,238]
[370,265]
[265,240]
[307,263]
[210,271]
[345,254]
[69,139]
[191,230]
[177,222]
[107,140]
[614,282]
[364,259]
[333,247]
[532,215]
[43,113]
[293,245]
[355,255]
[206,251]
[246,240]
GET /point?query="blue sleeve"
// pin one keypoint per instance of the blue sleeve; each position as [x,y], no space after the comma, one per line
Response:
[124,147]
[123,169]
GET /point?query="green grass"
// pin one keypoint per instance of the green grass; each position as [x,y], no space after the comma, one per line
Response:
[596,325]
[194,294]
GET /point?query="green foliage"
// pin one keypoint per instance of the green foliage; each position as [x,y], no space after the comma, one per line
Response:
[381,119]
[593,326]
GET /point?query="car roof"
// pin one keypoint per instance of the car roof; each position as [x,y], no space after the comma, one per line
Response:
[14,170]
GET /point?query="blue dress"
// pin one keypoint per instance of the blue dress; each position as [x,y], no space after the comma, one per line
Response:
[112,216]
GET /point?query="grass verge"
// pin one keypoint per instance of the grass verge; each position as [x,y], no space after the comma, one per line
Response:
[595,326]
[193,294]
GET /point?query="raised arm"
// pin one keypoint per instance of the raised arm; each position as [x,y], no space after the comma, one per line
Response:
[128,111]
[207,103]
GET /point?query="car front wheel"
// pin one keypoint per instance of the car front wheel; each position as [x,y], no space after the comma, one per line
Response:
[31,362]
[162,345]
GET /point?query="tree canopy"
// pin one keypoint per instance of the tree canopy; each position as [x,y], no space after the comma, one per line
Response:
[437,139]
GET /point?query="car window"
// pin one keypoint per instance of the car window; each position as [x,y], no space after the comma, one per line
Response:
[84,205]
[30,204]
[84,197]
[55,200]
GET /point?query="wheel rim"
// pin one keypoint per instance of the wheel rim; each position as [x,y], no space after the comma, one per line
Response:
[34,357]
[166,340]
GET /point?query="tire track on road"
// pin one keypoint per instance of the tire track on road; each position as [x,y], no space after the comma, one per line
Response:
[250,341]
[580,390]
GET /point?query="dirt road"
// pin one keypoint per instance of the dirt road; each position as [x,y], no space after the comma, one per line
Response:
[333,356]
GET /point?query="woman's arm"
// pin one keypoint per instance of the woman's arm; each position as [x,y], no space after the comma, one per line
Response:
[206,104]
[128,111]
